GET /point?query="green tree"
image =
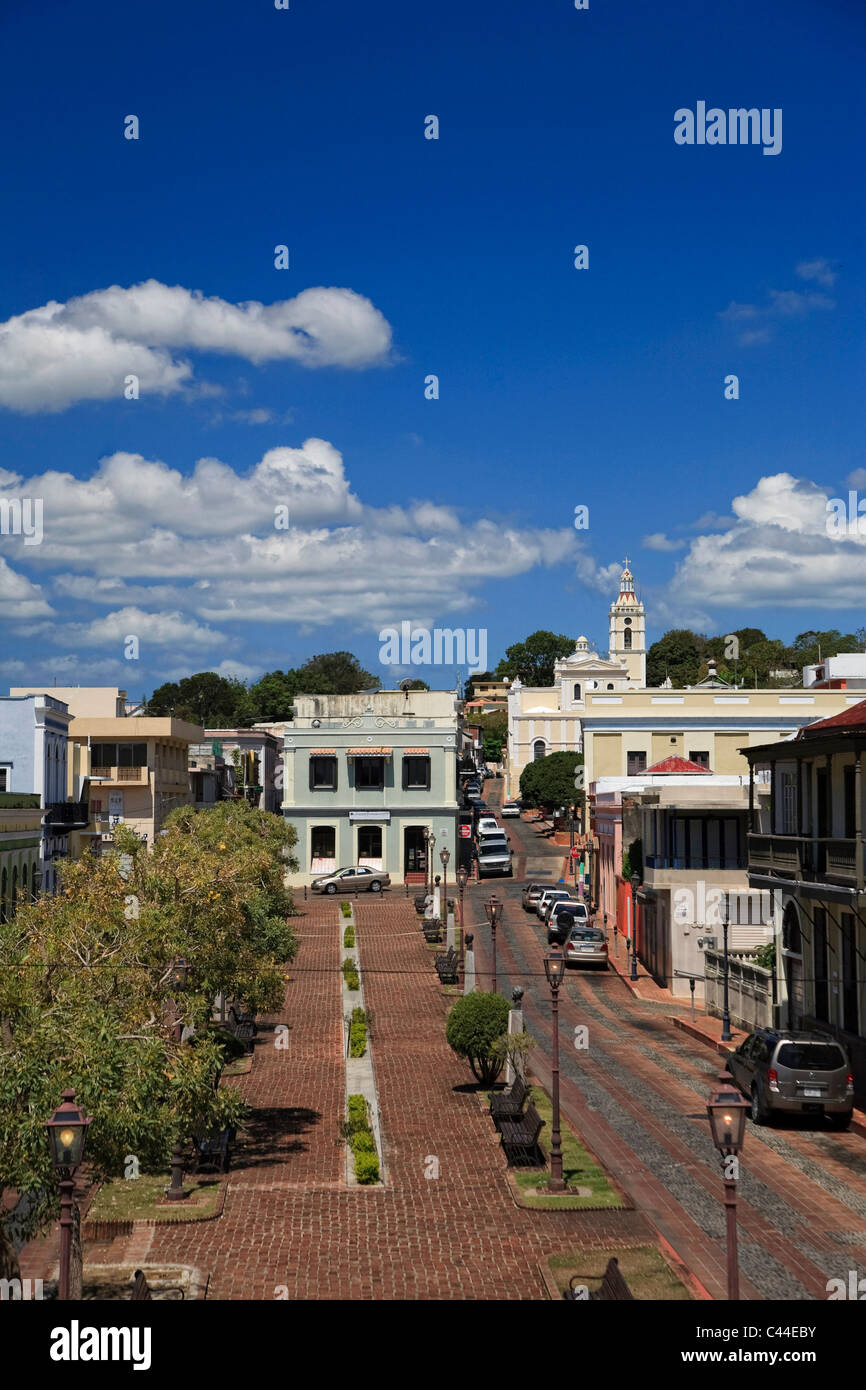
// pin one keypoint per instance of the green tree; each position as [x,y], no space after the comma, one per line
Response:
[89,995]
[208,699]
[533,660]
[334,673]
[474,1024]
[677,654]
[550,781]
[809,648]
[272,697]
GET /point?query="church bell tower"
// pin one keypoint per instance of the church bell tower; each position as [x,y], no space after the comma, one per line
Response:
[628,631]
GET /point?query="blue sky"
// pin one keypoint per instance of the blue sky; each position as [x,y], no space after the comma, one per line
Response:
[557,386]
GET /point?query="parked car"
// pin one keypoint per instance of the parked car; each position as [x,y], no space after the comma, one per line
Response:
[357,879]
[548,897]
[585,945]
[531,893]
[493,859]
[488,823]
[564,913]
[784,1072]
[511,808]
[488,833]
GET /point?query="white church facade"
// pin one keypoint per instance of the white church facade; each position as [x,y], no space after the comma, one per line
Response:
[548,719]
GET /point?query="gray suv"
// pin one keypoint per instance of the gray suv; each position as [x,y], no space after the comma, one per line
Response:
[794,1073]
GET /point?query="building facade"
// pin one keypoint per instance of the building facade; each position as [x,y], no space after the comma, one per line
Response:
[806,848]
[33,760]
[254,757]
[20,850]
[364,776]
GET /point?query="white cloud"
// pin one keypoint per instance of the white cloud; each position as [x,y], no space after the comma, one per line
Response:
[659,541]
[778,554]
[819,270]
[857,478]
[19,598]
[82,350]
[176,558]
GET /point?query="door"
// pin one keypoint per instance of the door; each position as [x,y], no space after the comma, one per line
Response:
[414,857]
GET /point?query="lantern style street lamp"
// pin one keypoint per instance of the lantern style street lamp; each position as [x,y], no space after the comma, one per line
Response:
[493,909]
[554,969]
[726,1110]
[635,885]
[444,856]
[67,1131]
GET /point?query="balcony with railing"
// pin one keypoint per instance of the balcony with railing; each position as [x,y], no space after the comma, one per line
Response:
[809,859]
[62,816]
[139,776]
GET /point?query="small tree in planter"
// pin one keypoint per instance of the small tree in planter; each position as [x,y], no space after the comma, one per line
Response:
[473,1026]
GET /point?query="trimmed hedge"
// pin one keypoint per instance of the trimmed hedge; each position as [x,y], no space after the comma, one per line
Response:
[346,909]
[350,974]
[358,1033]
[349,937]
[361,1140]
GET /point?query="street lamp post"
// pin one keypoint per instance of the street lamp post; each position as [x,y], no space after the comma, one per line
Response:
[635,885]
[726,1015]
[67,1131]
[554,969]
[462,878]
[493,909]
[444,856]
[726,1110]
[175,1191]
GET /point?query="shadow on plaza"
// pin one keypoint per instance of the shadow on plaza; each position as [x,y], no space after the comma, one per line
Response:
[273,1134]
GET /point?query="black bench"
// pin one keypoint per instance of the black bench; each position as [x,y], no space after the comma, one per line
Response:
[520,1136]
[213,1150]
[508,1105]
[140,1290]
[613,1288]
[432,929]
[243,1026]
[448,967]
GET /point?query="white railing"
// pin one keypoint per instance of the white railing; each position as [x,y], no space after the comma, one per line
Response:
[750,989]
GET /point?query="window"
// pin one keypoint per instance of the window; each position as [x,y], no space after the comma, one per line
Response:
[635,764]
[323,849]
[323,774]
[576,695]
[118,755]
[369,847]
[791,931]
[822,991]
[370,773]
[626,639]
[610,685]
[700,756]
[849,974]
[539,750]
[416,772]
[810,1056]
[849,801]
[4,775]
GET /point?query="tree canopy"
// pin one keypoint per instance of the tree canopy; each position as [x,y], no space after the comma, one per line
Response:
[550,781]
[533,659]
[90,996]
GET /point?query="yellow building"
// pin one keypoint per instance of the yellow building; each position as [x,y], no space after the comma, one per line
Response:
[136,771]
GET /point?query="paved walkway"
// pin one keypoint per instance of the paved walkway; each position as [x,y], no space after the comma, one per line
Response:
[289,1219]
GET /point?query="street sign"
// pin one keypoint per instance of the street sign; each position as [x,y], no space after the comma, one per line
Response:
[465,832]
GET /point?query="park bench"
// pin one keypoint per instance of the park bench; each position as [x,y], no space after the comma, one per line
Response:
[432,929]
[520,1136]
[508,1105]
[421,902]
[242,1025]
[448,966]
[213,1150]
[613,1286]
[140,1290]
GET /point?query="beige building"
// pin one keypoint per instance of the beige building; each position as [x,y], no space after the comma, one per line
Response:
[91,701]
[135,769]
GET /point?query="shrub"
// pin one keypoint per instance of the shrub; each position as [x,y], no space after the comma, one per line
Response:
[473,1026]
[358,1033]
[350,974]
[357,1121]
[349,937]
[363,1143]
[346,909]
[367,1168]
[766,956]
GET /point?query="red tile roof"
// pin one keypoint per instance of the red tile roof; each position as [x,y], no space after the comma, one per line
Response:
[675,764]
[853,718]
